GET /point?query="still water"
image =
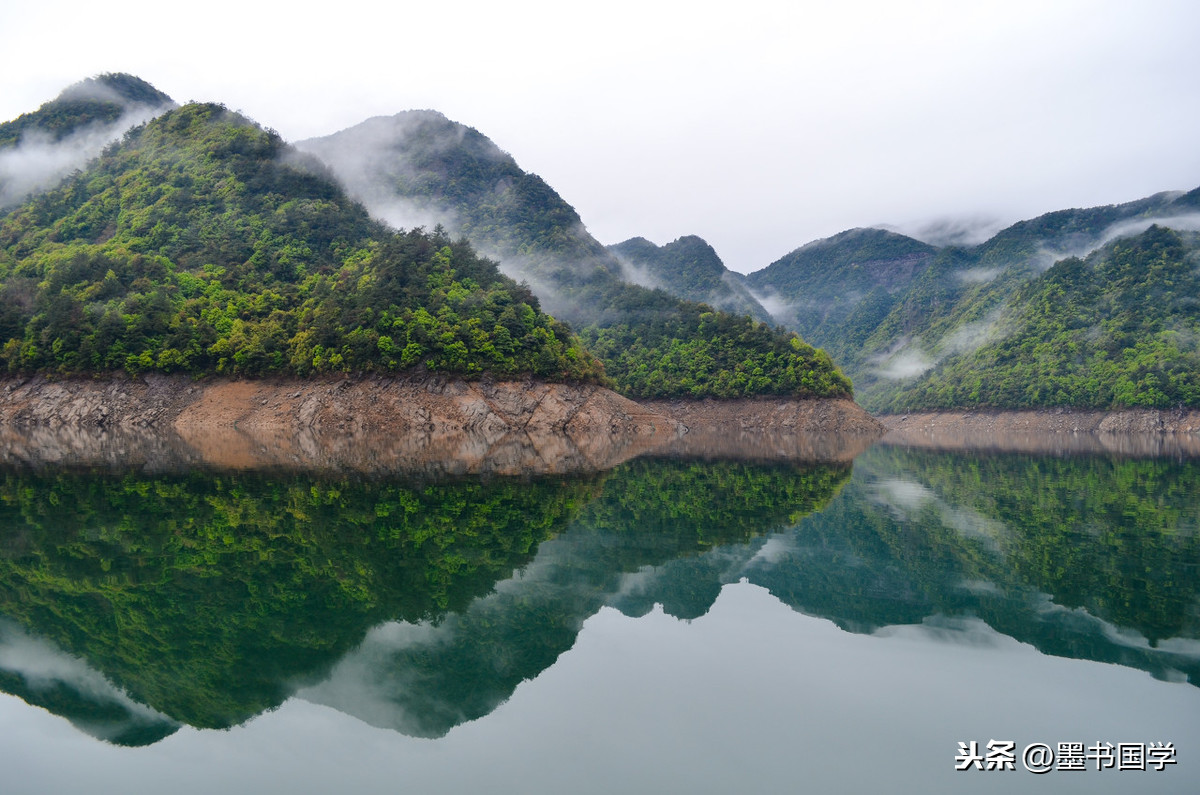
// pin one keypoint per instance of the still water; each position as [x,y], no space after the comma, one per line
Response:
[669,625]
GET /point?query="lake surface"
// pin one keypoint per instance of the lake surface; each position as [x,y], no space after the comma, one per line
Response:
[669,625]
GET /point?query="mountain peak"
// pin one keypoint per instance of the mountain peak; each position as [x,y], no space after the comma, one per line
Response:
[119,87]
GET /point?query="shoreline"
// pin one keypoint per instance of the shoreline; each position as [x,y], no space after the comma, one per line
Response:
[1049,420]
[1063,431]
[417,423]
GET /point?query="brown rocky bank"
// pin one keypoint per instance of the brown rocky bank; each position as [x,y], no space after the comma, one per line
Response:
[430,424]
[423,423]
[1055,420]
[1062,430]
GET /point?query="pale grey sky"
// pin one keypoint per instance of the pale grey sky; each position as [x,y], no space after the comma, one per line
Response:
[759,126]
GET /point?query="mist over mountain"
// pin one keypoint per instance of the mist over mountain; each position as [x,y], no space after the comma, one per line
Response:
[835,289]
[420,168]
[1119,328]
[202,243]
[892,310]
[40,148]
[691,269]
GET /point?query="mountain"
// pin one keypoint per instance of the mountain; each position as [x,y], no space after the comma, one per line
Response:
[688,268]
[40,148]
[1119,328]
[835,289]
[891,309]
[202,243]
[420,168]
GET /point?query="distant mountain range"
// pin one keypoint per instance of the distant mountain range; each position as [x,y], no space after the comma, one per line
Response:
[913,324]
[690,269]
[904,318]
[899,315]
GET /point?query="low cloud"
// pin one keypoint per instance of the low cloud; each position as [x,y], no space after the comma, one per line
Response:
[968,230]
[781,310]
[907,359]
[38,162]
[903,360]
[1046,257]
[636,274]
[972,336]
[978,275]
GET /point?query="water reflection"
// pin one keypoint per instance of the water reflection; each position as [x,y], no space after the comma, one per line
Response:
[43,675]
[201,597]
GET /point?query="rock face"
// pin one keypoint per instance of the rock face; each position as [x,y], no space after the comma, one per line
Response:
[769,415]
[399,405]
[417,424]
[1134,432]
[769,429]
[1058,420]
[426,425]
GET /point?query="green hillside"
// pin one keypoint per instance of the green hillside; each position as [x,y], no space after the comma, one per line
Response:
[204,244]
[691,269]
[912,309]
[97,100]
[1120,328]
[836,291]
[421,168]
[40,149]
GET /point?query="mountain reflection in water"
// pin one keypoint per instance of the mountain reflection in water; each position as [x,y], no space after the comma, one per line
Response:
[137,600]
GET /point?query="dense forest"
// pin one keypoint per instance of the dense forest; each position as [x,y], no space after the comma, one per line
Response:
[1117,329]
[421,167]
[201,243]
[917,326]
[697,352]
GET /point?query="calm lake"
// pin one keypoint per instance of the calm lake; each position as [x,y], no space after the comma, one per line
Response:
[670,625]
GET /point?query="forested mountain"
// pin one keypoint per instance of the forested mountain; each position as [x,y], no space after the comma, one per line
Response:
[421,168]
[894,312]
[837,289]
[202,243]
[690,269]
[38,149]
[1120,328]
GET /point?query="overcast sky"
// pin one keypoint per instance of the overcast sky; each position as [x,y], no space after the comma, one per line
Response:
[759,126]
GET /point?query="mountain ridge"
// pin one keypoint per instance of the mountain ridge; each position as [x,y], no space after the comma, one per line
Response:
[653,344]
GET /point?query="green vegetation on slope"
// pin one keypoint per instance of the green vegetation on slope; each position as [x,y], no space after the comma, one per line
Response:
[696,352]
[1119,329]
[421,167]
[889,309]
[198,244]
[103,100]
[690,269]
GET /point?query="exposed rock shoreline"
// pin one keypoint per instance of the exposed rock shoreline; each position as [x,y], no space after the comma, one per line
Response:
[1056,420]
[426,423]
[1058,430]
